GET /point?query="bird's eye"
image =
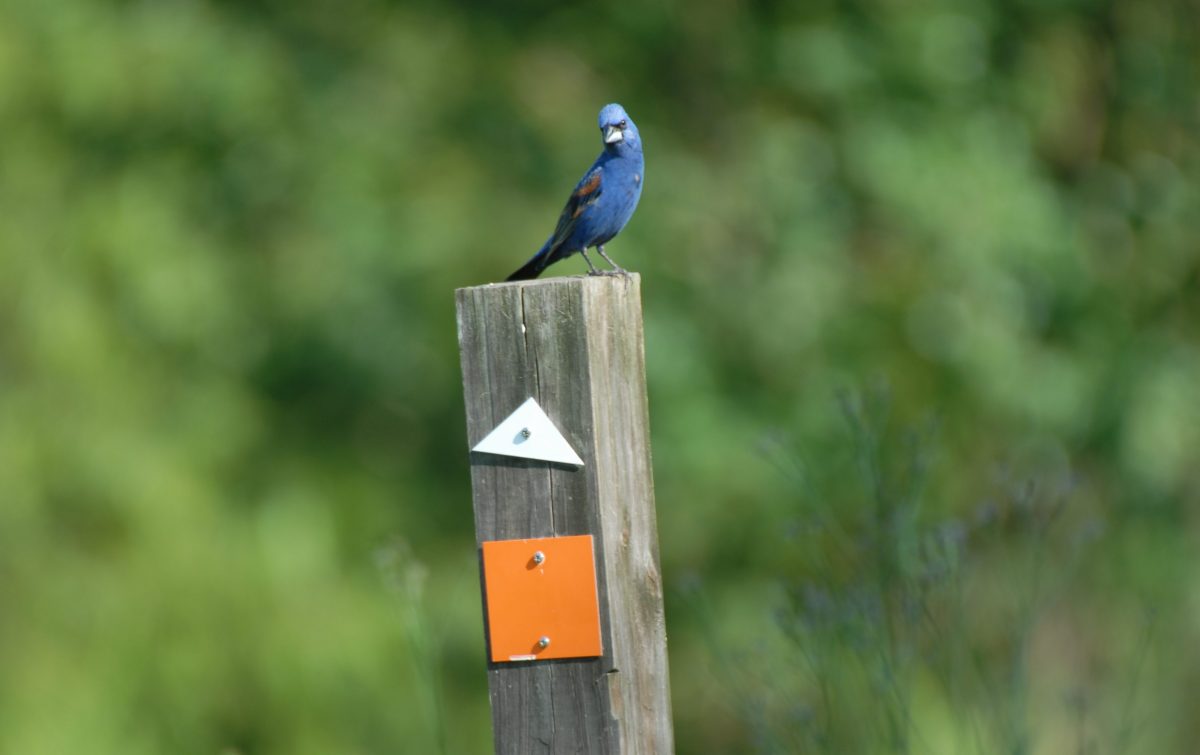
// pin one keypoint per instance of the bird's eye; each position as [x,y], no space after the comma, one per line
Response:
[622,124]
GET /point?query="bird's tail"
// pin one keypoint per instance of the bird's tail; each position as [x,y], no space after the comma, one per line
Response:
[534,267]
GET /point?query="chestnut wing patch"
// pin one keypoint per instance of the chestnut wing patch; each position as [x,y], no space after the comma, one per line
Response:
[585,194]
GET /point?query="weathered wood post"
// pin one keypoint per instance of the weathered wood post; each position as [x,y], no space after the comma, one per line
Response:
[575,345]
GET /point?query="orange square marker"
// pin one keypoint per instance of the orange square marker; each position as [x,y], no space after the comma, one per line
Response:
[541,598]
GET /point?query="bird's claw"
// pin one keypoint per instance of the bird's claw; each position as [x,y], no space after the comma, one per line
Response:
[616,269]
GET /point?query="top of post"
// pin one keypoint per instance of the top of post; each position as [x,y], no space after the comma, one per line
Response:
[615,279]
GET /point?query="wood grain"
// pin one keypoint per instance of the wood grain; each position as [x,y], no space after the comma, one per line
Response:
[575,345]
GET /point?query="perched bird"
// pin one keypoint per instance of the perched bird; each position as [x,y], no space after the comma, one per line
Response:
[601,203]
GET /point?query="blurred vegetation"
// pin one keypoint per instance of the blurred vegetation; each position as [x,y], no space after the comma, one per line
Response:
[234,504]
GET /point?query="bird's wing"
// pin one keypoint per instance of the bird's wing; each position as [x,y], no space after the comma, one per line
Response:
[585,195]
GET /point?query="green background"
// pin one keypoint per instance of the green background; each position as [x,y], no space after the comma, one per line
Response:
[234,502]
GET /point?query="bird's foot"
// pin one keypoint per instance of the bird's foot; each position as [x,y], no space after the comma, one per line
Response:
[591,268]
[616,269]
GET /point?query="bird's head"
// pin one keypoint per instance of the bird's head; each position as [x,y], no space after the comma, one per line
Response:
[617,127]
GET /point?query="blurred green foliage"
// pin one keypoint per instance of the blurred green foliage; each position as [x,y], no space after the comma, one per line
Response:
[234,504]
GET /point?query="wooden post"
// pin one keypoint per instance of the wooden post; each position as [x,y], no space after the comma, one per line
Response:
[576,346]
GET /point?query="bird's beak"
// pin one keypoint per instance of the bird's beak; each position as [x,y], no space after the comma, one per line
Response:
[613,134]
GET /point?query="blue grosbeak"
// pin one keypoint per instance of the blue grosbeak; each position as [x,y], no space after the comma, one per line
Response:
[601,203]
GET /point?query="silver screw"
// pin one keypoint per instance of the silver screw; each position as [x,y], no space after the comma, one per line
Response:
[525,432]
[544,642]
[538,557]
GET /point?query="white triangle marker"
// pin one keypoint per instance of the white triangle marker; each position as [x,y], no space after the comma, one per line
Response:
[529,434]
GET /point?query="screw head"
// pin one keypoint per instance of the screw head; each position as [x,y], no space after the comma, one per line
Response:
[543,642]
[538,557]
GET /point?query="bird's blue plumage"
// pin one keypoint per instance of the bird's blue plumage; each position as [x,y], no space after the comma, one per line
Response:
[603,200]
